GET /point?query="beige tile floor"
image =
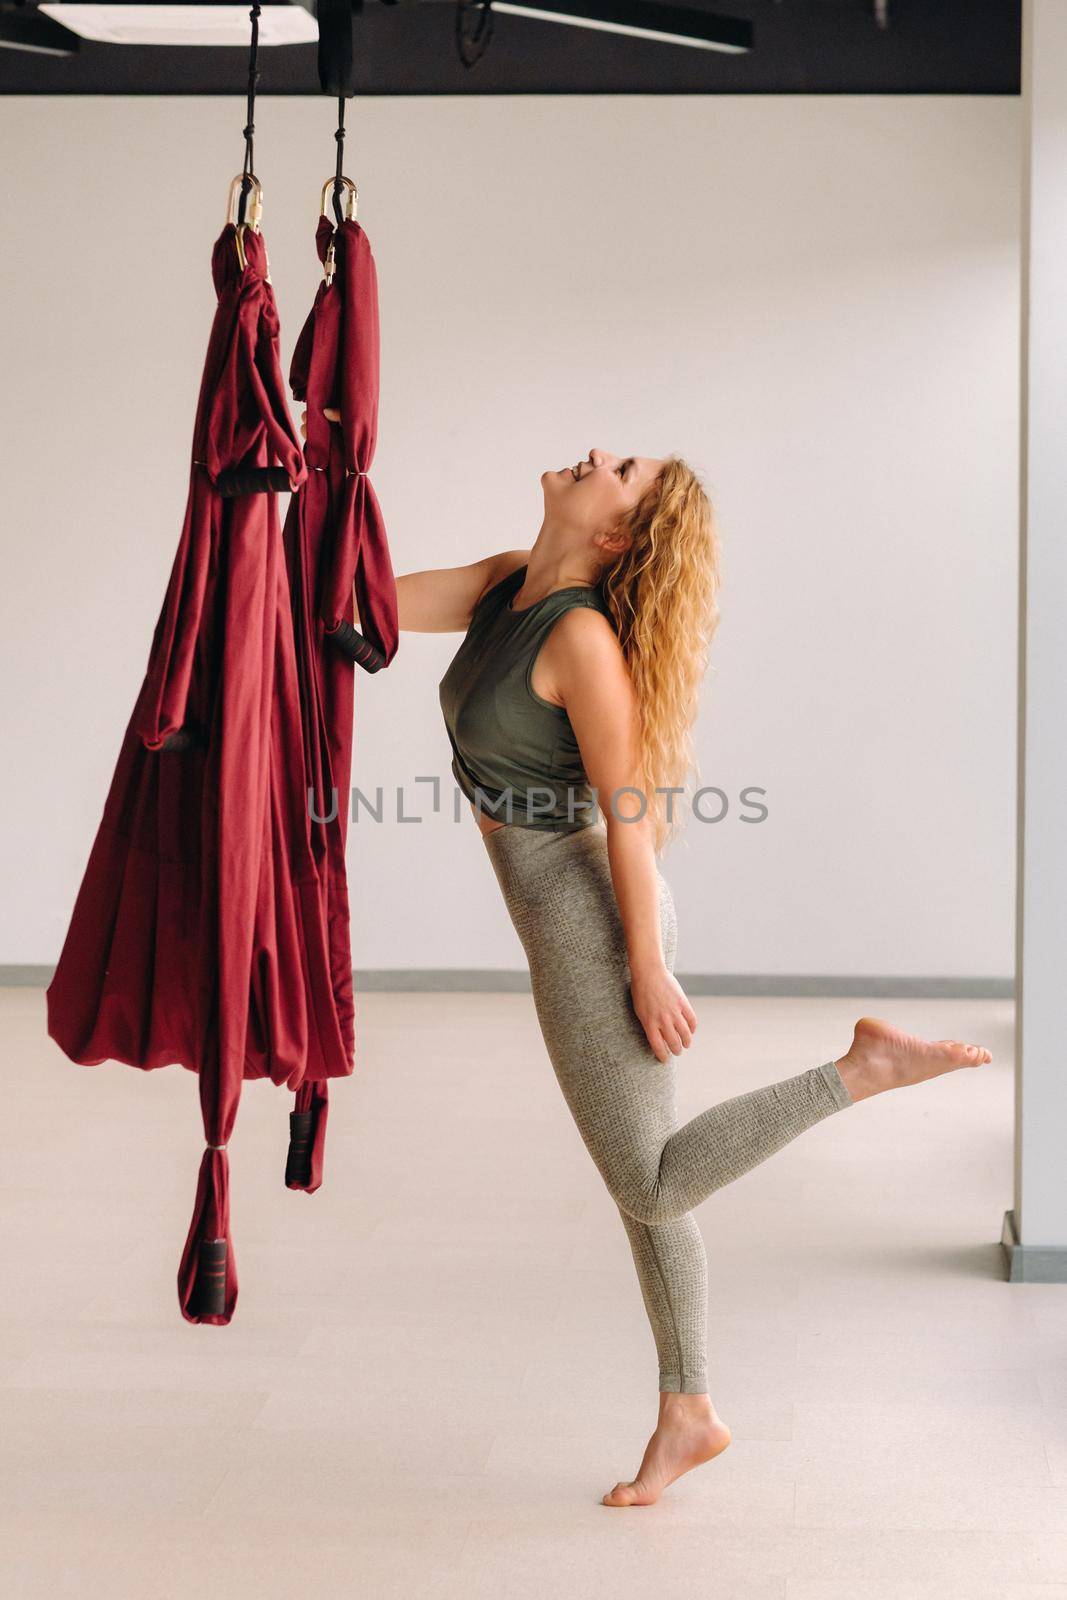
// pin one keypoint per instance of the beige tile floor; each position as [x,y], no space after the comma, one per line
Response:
[440,1361]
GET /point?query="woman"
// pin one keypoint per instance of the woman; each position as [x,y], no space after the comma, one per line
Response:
[579,672]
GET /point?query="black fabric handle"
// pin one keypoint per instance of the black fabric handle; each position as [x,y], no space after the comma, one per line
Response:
[252,480]
[298,1161]
[351,643]
[209,1290]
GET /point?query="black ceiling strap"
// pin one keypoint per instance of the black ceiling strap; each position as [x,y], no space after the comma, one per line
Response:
[250,124]
[340,137]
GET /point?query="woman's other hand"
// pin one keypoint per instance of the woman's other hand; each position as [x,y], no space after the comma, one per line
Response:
[663,1011]
[328,412]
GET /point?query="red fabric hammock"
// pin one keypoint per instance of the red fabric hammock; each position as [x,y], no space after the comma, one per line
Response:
[202,932]
[336,546]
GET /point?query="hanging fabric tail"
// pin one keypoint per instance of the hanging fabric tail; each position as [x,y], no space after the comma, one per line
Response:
[207,1277]
[207,1274]
[307,1136]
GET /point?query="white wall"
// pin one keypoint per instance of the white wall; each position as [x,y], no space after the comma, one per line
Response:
[814,298]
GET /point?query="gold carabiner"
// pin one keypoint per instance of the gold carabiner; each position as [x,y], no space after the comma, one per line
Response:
[253,211]
[352,195]
[329,266]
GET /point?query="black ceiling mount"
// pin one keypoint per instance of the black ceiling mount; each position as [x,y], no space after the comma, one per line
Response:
[474,30]
[335,44]
[27,30]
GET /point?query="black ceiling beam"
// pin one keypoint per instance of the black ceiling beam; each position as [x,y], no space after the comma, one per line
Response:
[803,47]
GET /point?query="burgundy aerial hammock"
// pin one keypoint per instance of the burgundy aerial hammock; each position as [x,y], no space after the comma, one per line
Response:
[203,933]
[337,553]
[181,898]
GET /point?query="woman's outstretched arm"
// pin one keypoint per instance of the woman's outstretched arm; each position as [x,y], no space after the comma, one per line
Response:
[589,675]
[441,599]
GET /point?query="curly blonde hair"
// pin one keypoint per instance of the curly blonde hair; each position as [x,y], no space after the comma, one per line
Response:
[662,593]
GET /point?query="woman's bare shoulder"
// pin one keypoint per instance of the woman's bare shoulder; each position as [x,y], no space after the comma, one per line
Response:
[582,655]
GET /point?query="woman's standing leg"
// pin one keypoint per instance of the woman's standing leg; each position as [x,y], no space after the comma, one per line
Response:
[670,1258]
[672,1270]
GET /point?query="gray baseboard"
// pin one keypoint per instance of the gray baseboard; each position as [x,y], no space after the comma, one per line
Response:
[488,980]
[1031,1263]
[474,980]
[25,977]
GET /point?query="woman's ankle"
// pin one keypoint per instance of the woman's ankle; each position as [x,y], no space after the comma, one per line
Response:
[856,1075]
[675,1400]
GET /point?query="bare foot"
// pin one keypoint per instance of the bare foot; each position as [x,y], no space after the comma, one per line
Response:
[884,1057]
[689,1431]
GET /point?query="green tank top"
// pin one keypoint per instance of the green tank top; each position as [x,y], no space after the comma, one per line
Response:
[515,750]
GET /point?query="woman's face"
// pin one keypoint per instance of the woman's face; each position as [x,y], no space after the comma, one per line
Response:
[594,494]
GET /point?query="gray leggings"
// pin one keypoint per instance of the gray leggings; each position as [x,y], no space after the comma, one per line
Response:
[561,900]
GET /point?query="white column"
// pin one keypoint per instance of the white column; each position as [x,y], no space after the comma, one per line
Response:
[1035,1230]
